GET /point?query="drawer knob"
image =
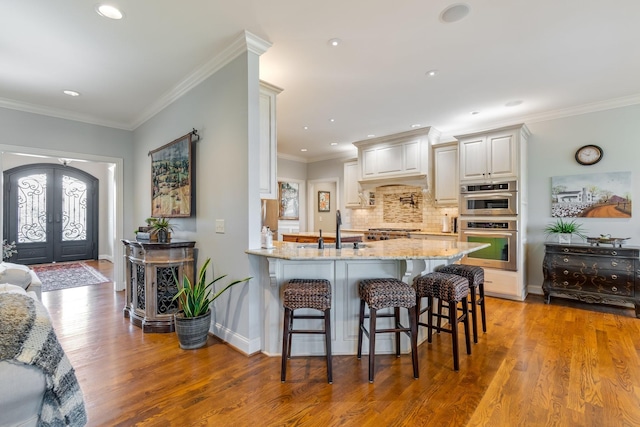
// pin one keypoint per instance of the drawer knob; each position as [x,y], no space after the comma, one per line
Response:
[614,289]
[565,283]
[566,249]
[565,259]
[614,276]
[613,263]
[566,272]
[614,253]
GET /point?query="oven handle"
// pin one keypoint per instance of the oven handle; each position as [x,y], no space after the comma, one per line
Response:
[496,233]
[480,195]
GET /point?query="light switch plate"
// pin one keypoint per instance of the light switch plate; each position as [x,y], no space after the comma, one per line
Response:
[219,225]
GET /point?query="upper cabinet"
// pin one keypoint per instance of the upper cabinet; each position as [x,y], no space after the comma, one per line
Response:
[445,174]
[268,141]
[403,155]
[492,155]
[351,186]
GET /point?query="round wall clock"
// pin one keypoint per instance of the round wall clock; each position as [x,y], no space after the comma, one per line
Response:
[589,155]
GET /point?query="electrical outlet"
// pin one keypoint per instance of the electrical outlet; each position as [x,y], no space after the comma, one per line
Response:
[219,225]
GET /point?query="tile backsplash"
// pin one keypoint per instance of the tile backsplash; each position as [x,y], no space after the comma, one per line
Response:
[402,207]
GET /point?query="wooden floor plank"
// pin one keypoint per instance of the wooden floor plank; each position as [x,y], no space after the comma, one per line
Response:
[561,364]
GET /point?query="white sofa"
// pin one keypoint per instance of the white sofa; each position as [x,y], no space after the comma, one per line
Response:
[21,275]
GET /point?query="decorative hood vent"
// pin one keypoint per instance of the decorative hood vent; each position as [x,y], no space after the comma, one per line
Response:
[421,181]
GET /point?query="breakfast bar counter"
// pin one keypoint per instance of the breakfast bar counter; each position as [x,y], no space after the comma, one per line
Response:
[402,259]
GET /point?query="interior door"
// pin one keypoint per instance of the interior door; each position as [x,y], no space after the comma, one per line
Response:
[51,212]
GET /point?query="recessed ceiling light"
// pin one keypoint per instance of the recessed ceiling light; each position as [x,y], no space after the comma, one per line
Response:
[371,135]
[473,113]
[109,11]
[513,103]
[306,128]
[416,125]
[454,13]
[334,42]
[303,149]
[334,144]
[431,73]
[332,120]
[71,92]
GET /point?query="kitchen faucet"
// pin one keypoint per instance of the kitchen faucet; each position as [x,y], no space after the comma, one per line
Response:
[338,224]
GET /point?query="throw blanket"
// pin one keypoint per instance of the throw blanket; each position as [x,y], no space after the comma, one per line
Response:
[27,336]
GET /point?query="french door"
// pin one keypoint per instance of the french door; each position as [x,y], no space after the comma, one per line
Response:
[51,212]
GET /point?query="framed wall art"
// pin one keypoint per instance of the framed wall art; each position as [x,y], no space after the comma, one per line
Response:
[324,201]
[288,195]
[597,195]
[172,181]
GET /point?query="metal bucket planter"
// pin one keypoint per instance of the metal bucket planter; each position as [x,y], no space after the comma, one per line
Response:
[192,331]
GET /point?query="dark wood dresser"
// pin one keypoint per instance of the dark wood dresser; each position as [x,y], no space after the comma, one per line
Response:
[594,274]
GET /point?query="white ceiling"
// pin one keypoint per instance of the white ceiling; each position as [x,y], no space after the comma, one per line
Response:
[557,57]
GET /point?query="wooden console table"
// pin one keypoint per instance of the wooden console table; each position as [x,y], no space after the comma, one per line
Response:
[594,274]
[150,269]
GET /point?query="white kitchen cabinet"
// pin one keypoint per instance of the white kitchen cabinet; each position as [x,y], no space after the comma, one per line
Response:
[268,141]
[445,174]
[491,155]
[403,155]
[351,186]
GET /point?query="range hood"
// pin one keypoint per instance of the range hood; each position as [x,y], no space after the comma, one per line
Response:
[421,181]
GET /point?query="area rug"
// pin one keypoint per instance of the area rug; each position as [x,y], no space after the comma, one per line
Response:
[67,275]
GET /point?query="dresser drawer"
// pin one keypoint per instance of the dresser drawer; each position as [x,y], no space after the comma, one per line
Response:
[594,250]
[606,282]
[590,264]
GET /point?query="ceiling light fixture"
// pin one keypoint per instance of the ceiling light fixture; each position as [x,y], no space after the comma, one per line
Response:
[473,113]
[71,93]
[109,11]
[303,149]
[431,73]
[332,120]
[334,42]
[305,127]
[371,135]
[454,13]
[513,103]
[416,125]
[334,144]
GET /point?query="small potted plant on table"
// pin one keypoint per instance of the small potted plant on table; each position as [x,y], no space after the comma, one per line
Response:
[162,228]
[194,318]
[564,230]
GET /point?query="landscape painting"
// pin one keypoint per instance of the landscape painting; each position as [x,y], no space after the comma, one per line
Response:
[171,180]
[289,201]
[603,195]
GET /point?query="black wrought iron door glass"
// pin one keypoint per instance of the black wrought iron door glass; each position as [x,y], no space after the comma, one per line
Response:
[51,212]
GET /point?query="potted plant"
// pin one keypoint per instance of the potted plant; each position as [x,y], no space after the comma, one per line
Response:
[161,227]
[564,230]
[194,318]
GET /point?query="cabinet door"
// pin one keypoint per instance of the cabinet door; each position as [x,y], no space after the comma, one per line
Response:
[268,144]
[445,164]
[502,155]
[390,160]
[411,153]
[351,186]
[369,163]
[473,158]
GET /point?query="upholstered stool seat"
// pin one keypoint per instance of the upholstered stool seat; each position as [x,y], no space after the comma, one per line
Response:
[306,293]
[451,289]
[387,293]
[475,276]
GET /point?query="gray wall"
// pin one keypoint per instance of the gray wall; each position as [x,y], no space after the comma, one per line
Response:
[551,150]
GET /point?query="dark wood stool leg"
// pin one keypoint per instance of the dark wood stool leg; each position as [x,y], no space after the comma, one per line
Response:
[439,323]
[288,315]
[396,319]
[360,328]
[474,314]
[482,308]
[429,318]
[327,338]
[465,314]
[413,325]
[372,343]
[453,321]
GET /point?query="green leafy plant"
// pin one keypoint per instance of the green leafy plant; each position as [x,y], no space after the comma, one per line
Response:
[160,224]
[196,298]
[566,227]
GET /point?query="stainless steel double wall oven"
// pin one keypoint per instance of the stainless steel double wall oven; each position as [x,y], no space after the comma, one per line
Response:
[489,214]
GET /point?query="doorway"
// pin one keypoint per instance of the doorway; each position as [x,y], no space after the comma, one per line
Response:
[51,212]
[323,202]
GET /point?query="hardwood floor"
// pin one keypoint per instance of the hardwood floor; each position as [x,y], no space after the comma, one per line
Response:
[563,364]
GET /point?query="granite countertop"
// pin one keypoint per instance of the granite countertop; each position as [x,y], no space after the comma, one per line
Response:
[399,249]
[432,233]
[324,234]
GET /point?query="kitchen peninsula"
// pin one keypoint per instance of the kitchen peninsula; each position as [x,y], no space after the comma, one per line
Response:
[400,258]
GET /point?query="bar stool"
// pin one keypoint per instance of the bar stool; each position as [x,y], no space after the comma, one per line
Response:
[387,293]
[306,293]
[452,289]
[475,276]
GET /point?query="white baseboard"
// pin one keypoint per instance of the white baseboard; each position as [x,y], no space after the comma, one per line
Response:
[241,343]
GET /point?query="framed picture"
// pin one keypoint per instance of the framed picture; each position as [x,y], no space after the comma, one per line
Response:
[288,195]
[596,195]
[324,201]
[171,179]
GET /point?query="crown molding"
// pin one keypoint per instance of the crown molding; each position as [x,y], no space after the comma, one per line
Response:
[60,114]
[246,42]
